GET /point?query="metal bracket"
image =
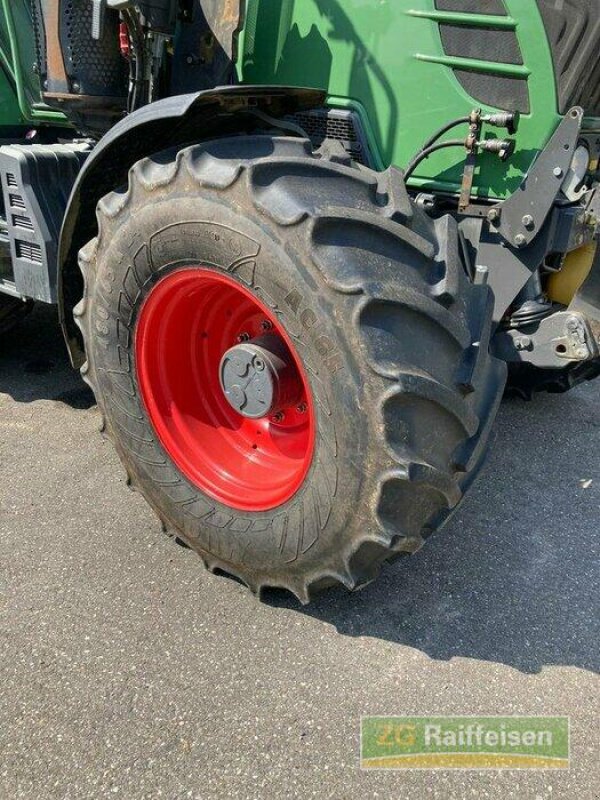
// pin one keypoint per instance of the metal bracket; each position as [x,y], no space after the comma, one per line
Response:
[562,338]
[471,160]
[520,218]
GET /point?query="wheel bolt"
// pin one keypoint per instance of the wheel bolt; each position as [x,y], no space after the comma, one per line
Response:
[278,417]
[528,222]
[243,337]
[520,240]
[266,325]
[302,408]
[523,343]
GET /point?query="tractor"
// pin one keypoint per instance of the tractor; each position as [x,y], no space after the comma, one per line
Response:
[301,249]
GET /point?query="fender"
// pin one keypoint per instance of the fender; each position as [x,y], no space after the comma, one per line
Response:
[175,121]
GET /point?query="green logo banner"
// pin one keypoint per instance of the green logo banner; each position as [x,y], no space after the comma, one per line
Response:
[465,743]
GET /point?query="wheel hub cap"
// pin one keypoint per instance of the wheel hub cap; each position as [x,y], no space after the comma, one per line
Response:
[259,378]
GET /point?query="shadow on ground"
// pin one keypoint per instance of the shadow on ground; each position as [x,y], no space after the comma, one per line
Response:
[34,364]
[513,578]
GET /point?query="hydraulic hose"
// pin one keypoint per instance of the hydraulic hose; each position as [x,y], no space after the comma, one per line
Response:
[427,151]
[448,127]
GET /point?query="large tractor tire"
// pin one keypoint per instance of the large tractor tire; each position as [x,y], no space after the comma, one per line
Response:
[289,358]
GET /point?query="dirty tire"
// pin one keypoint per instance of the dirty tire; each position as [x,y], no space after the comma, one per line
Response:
[393,337]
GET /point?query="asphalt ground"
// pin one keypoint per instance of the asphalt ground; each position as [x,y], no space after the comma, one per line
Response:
[128,671]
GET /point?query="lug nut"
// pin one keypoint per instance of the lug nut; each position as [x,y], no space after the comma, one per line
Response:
[278,417]
[520,240]
[266,325]
[243,337]
[302,408]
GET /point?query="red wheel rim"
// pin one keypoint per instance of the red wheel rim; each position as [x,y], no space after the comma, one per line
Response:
[189,320]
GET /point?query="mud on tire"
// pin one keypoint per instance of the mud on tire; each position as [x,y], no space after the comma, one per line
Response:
[393,337]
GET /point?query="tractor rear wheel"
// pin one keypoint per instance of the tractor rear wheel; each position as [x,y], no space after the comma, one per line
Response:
[289,358]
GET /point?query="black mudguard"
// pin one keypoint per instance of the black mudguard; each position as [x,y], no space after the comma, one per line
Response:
[175,121]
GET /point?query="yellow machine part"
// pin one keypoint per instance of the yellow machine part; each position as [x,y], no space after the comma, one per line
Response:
[562,286]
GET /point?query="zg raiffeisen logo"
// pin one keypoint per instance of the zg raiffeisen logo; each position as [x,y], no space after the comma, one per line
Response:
[465,743]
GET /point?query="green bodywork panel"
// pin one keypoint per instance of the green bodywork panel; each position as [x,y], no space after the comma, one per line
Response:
[385,59]
[10,113]
[20,91]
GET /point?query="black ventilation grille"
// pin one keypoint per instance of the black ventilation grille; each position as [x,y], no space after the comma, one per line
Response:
[485,44]
[97,67]
[22,221]
[509,94]
[39,38]
[325,124]
[36,182]
[489,44]
[15,200]
[495,7]
[29,251]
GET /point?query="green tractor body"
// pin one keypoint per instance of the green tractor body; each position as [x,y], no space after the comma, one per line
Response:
[360,212]
[404,68]
[407,68]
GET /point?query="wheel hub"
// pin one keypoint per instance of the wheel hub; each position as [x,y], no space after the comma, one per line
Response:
[259,378]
